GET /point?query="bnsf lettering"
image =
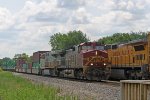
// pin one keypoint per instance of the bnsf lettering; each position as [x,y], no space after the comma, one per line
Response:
[95,59]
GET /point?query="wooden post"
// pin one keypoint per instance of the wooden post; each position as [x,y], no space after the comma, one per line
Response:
[134,89]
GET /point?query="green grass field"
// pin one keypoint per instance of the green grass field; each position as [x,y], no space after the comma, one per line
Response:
[16,88]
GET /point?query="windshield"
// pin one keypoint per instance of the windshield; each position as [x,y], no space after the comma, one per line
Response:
[87,47]
[99,47]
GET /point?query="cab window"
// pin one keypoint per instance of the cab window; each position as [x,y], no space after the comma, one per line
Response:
[87,47]
[99,47]
[139,48]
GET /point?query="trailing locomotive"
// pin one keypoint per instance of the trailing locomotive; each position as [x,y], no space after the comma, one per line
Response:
[85,61]
[130,60]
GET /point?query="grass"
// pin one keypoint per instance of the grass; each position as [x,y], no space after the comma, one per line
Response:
[16,88]
[1,69]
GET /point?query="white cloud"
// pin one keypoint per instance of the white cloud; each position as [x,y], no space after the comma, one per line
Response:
[6,19]
[70,4]
[39,19]
[80,16]
[130,5]
[140,4]
[122,5]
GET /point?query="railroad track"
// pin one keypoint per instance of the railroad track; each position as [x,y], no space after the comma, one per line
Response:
[111,82]
[108,82]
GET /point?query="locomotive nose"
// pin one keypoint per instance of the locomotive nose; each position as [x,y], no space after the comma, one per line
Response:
[95,58]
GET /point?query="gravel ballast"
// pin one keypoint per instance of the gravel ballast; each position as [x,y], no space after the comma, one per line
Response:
[84,90]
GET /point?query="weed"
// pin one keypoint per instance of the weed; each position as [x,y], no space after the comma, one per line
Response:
[16,88]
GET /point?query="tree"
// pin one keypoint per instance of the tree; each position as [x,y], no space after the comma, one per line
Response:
[24,56]
[8,63]
[122,37]
[60,41]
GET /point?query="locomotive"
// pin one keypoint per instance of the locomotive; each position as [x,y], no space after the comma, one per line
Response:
[130,60]
[87,60]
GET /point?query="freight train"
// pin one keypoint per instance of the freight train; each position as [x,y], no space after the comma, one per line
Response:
[93,61]
[85,61]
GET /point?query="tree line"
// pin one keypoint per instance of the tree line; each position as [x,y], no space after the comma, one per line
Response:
[122,37]
[7,62]
[66,40]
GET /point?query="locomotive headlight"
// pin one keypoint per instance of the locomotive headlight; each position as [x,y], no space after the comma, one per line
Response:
[104,64]
[91,64]
[96,53]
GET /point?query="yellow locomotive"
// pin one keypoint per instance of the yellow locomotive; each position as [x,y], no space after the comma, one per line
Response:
[130,60]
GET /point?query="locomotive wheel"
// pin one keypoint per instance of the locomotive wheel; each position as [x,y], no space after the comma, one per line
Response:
[93,74]
[89,77]
[133,75]
[78,74]
[61,74]
[89,74]
[98,76]
[42,72]
[98,79]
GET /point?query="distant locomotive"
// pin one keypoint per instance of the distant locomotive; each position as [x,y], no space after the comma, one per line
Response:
[130,60]
[85,61]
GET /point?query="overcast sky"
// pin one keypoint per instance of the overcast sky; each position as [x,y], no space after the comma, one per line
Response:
[26,25]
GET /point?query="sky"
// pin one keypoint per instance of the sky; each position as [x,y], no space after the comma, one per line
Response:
[26,25]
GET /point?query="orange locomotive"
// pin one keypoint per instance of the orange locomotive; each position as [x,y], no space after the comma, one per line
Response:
[130,60]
